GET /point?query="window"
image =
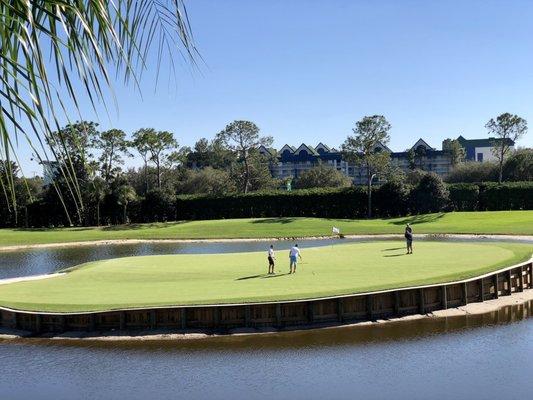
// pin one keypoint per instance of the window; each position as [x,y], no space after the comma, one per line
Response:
[480,157]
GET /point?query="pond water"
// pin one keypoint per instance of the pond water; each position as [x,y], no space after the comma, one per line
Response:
[485,356]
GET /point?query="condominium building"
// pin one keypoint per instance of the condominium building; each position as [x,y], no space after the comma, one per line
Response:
[291,162]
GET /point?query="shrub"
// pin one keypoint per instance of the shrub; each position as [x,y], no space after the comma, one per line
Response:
[519,166]
[206,180]
[464,196]
[322,176]
[507,196]
[430,195]
[158,206]
[471,172]
[327,203]
[391,199]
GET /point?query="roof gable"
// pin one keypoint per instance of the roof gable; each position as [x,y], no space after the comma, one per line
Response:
[383,147]
[422,142]
[265,150]
[287,148]
[323,147]
[307,148]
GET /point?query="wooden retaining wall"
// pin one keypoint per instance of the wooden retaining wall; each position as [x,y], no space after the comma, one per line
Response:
[315,312]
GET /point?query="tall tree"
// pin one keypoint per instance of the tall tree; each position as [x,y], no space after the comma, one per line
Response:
[113,145]
[48,47]
[506,128]
[72,146]
[364,149]
[97,191]
[242,137]
[455,151]
[125,195]
[159,143]
[140,143]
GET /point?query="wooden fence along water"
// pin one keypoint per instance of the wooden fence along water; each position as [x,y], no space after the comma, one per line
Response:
[283,315]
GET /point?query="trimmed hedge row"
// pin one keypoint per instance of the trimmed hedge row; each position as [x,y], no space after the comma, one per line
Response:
[491,196]
[325,203]
[387,200]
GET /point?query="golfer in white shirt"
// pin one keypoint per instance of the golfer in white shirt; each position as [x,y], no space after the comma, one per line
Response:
[294,253]
[271,258]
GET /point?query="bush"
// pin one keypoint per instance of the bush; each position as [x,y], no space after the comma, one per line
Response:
[326,203]
[472,172]
[464,196]
[206,180]
[430,195]
[322,176]
[519,166]
[391,199]
[507,196]
[158,206]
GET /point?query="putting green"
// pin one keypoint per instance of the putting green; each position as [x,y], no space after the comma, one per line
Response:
[170,280]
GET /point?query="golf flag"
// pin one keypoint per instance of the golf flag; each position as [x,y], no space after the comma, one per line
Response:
[336,231]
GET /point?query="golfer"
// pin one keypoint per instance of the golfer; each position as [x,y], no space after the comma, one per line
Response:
[271,258]
[294,253]
[409,238]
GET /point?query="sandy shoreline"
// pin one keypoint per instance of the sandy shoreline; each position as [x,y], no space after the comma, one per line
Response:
[470,309]
[477,237]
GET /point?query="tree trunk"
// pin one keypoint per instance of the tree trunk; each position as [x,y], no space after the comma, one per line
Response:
[124,217]
[158,175]
[369,213]
[246,174]
[145,176]
[98,213]
[500,176]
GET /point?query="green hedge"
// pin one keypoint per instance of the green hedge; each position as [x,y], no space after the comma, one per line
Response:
[352,202]
[464,196]
[491,196]
[508,196]
[326,203]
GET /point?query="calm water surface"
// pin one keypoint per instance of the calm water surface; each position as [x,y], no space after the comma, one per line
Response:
[484,357]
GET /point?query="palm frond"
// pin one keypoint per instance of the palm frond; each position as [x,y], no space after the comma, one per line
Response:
[50,48]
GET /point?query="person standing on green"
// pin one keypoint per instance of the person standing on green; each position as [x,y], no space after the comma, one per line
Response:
[271,258]
[409,238]
[294,253]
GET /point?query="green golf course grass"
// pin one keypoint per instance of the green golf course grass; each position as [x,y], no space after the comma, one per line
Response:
[170,280]
[487,222]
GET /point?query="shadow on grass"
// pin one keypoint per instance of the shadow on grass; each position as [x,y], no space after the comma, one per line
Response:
[156,225]
[275,276]
[394,255]
[250,277]
[394,248]
[419,219]
[282,220]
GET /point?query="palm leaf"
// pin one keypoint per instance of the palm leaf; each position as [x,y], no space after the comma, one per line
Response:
[46,46]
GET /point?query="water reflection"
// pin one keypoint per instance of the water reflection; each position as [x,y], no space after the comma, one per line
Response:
[486,356]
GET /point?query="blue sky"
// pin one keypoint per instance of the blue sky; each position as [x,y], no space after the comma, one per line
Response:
[305,71]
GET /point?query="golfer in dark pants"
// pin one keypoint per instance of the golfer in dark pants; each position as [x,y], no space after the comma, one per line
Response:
[409,238]
[271,258]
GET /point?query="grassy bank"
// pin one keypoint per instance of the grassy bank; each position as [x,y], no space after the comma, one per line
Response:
[227,278]
[489,222]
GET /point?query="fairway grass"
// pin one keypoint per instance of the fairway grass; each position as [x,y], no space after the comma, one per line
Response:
[487,222]
[173,280]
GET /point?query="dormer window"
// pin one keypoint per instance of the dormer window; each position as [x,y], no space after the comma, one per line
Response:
[303,153]
[286,153]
